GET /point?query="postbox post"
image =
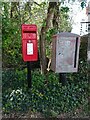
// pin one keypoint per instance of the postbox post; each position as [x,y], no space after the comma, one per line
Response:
[29,76]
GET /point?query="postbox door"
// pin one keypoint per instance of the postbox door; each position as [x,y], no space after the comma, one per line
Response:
[66,54]
[30,50]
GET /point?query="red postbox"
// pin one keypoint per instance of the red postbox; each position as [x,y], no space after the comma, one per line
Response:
[29,42]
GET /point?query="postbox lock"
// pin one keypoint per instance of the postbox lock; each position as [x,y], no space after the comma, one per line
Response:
[29,41]
[59,53]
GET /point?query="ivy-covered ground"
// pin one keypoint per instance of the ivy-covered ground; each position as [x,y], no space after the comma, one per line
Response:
[47,97]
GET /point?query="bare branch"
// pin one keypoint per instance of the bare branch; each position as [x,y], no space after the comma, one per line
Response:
[37,3]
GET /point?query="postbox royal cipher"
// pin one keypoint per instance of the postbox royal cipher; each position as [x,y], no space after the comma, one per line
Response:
[29,42]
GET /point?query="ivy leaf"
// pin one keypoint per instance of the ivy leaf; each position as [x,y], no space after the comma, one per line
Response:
[83,4]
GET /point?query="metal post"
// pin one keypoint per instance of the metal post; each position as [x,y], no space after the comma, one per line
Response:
[29,78]
[62,78]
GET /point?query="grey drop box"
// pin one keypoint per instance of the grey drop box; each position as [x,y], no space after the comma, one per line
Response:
[65,52]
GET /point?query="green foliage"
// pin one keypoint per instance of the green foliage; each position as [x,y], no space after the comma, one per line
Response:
[38,15]
[47,95]
[63,25]
[11,39]
[83,4]
[49,35]
[16,101]
[64,9]
[11,29]
[65,21]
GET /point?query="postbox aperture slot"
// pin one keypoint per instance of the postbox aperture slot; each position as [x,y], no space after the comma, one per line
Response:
[29,32]
[76,49]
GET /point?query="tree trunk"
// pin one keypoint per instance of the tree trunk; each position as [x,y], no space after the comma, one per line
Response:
[44,29]
[56,16]
[13,9]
